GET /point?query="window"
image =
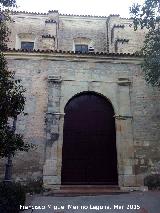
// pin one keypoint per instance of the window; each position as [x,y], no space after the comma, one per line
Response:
[81,48]
[27,45]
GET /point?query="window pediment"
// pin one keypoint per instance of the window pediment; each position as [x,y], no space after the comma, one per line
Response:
[26,36]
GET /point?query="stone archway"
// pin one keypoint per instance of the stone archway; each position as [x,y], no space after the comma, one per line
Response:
[89,153]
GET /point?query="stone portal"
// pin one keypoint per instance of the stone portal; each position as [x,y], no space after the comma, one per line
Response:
[89,141]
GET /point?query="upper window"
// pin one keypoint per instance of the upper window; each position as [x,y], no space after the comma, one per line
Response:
[80,48]
[27,45]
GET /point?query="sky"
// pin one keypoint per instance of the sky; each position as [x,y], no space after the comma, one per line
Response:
[79,7]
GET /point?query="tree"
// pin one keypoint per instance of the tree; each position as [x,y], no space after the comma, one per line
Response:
[148,16]
[12,99]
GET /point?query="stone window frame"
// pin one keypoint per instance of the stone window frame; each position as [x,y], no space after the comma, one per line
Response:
[83,41]
[25,37]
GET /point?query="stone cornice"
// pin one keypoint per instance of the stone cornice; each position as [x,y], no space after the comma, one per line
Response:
[73,57]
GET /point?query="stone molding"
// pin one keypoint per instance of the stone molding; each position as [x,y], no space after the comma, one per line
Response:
[123,117]
[55,113]
[123,82]
[57,56]
[54,78]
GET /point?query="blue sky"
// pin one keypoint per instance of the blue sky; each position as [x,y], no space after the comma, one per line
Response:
[86,7]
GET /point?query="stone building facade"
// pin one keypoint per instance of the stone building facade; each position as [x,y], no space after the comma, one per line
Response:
[62,57]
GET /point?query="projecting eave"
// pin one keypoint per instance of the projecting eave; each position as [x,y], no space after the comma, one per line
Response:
[97,57]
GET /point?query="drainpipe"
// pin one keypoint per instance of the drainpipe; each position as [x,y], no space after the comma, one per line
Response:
[107,27]
[57,30]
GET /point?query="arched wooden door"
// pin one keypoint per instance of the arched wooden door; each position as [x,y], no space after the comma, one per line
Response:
[89,141]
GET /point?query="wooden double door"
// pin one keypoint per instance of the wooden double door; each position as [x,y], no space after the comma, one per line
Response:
[89,142]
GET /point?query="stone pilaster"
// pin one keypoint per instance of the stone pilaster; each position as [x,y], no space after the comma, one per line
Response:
[53,116]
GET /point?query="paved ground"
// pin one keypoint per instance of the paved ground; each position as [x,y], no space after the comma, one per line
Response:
[134,202]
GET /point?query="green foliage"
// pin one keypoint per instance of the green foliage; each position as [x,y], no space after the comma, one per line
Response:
[148,16]
[8,3]
[12,103]
[3,36]
[12,99]
[12,195]
[152,181]
[11,93]
[151,64]
[4,18]
[12,142]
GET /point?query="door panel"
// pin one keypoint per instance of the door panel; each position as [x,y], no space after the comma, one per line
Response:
[89,142]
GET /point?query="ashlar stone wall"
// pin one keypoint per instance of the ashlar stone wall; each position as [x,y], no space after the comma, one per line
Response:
[40,29]
[54,31]
[122,36]
[52,80]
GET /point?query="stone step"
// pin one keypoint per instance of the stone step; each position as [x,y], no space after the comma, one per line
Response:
[86,190]
[86,187]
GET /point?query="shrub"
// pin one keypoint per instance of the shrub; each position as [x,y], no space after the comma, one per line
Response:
[152,181]
[12,195]
[34,186]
